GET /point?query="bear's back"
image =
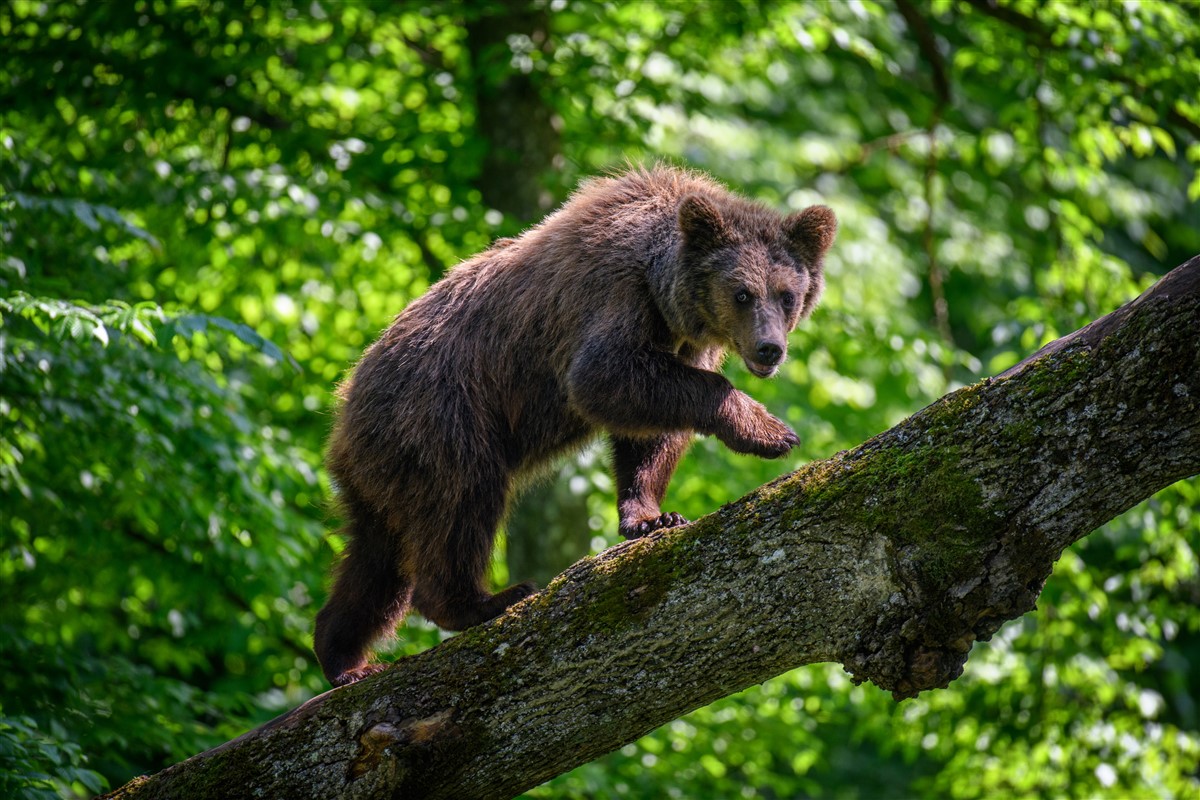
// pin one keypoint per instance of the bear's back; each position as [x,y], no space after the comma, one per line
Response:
[486,351]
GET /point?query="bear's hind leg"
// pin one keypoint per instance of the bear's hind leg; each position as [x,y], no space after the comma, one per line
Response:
[368,599]
[453,609]
[451,568]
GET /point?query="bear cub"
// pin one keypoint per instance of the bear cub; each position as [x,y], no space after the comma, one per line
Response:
[613,315]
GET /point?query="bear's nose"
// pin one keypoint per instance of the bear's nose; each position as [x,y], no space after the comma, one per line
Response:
[769,353]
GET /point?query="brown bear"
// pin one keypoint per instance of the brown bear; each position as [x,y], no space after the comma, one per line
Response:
[611,315]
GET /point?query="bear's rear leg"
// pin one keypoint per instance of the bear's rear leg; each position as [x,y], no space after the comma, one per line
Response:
[454,610]
[368,599]
[451,568]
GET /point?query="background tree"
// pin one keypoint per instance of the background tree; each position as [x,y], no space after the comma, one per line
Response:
[520,131]
[207,211]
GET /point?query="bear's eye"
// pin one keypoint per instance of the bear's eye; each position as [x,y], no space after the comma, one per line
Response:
[788,299]
[742,297]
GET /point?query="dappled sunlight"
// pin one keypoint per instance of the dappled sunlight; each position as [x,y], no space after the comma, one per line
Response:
[207,213]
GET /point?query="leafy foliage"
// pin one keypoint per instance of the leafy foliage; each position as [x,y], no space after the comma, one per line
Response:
[207,211]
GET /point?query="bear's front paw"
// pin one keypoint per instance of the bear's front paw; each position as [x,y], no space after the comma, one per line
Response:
[777,440]
[767,437]
[637,528]
[745,426]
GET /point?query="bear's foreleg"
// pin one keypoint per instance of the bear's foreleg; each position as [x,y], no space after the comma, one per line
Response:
[643,468]
[637,391]
[745,426]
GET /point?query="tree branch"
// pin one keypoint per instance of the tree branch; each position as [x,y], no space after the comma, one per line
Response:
[1042,36]
[1038,34]
[927,44]
[231,596]
[892,558]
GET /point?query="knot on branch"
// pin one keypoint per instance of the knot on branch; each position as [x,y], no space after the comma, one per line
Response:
[387,741]
[925,634]
[906,668]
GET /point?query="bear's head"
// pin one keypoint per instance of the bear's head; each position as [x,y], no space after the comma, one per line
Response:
[747,275]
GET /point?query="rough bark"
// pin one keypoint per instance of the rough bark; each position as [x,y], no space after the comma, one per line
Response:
[891,558]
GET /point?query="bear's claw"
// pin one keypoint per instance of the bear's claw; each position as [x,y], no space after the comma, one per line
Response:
[645,526]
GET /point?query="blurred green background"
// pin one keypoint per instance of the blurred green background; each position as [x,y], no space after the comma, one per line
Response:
[208,209]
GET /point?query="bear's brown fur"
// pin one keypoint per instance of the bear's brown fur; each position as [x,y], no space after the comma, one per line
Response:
[611,315]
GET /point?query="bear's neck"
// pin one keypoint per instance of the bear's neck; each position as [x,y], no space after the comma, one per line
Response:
[674,296]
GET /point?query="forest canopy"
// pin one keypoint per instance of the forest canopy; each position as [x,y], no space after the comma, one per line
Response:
[208,209]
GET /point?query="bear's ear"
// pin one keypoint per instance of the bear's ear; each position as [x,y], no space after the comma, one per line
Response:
[701,223]
[810,233]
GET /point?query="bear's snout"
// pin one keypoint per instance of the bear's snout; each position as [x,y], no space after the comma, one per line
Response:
[765,358]
[768,353]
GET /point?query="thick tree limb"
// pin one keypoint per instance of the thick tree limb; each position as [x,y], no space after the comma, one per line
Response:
[892,558]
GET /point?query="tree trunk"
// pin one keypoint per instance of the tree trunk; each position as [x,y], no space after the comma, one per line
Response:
[521,132]
[891,558]
[510,112]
